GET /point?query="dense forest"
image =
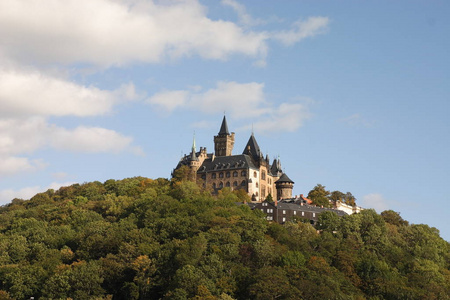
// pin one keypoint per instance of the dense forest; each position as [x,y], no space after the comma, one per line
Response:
[140,238]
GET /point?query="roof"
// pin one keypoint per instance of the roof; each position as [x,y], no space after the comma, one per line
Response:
[255,151]
[224,128]
[241,161]
[284,178]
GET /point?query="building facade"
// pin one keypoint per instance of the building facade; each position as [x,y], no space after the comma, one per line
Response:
[249,171]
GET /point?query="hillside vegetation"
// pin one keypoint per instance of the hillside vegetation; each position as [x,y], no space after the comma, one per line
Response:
[140,238]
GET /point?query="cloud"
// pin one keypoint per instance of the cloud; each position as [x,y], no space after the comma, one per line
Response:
[19,136]
[27,135]
[26,193]
[106,32]
[375,201]
[286,117]
[34,93]
[301,30]
[240,101]
[11,165]
[244,17]
[88,139]
[357,120]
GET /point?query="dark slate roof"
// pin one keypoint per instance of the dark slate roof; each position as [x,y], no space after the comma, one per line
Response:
[255,151]
[232,162]
[309,208]
[284,178]
[275,169]
[224,127]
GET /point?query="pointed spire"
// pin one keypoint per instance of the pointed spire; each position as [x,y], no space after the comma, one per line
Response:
[193,154]
[252,148]
[193,143]
[224,127]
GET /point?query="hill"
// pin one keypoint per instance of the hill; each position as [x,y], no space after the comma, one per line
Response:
[140,238]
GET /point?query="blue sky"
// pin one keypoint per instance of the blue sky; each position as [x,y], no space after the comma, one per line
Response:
[352,95]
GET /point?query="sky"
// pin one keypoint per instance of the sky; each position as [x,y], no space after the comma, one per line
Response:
[353,95]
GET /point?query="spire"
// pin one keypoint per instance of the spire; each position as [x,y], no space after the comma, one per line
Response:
[252,148]
[193,155]
[193,143]
[224,127]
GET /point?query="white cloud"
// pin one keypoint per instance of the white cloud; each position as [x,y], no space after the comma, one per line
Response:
[27,135]
[105,32]
[88,139]
[240,100]
[170,100]
[375,201]
[33,93]
[244,17]
[286,117]
[26,193]
[302,29]
[10,165]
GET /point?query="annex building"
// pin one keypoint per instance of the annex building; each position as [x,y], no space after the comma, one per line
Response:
[250,170]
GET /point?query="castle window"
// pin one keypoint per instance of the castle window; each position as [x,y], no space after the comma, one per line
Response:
[220,185]
[284,212]
[295,212]
[254,174]
[284,220]
[243,183]
[269,218]
[204,176]
[235,174]
[221,175]
[227,184]
[256,184]
[263,175]
[243,173]
[314,215]
[235,183]
[228,174]
[303,213]
[213,175]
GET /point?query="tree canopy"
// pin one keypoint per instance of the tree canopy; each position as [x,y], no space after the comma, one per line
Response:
[139,238]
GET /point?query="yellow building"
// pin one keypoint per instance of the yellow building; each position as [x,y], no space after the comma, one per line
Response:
[249,170]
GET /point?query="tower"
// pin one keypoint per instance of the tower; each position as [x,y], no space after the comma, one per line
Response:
[284,187]
[224,141]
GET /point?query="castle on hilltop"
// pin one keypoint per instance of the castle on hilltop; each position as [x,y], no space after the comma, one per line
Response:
[248,171]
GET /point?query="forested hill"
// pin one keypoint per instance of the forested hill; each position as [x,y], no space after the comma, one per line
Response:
[140,238]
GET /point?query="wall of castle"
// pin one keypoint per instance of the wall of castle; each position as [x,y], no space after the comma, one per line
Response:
[216,180]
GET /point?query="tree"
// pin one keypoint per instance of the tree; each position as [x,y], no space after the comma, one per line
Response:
[269,198]
[319,196]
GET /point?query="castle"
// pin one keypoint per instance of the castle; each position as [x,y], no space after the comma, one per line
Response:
[249,171]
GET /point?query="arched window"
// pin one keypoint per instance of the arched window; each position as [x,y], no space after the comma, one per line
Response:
[235,174]
[213,175]
[263,175]
[243,183]
[221,175]
[257,184]
[220,185]
[235,183]
[243,173]
[228,174]
[254,174]
[227,184]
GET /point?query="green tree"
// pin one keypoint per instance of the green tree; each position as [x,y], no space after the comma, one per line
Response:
[319,196]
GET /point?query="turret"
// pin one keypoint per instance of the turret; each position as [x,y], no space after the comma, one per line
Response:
[224,141]
[284,187]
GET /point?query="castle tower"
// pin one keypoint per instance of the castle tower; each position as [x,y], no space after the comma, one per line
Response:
[284,187]
[224,141]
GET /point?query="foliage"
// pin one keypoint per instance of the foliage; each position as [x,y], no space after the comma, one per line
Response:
[139,238]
